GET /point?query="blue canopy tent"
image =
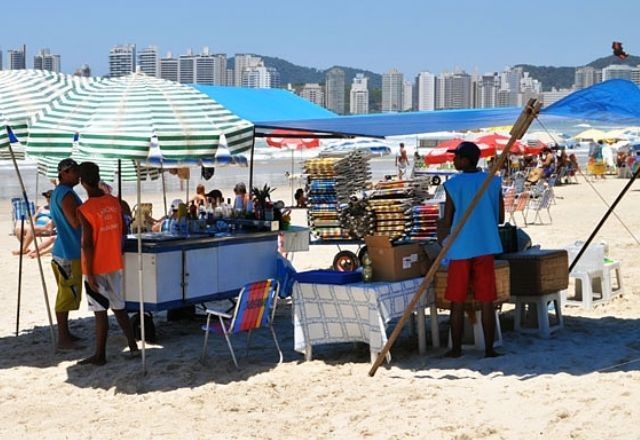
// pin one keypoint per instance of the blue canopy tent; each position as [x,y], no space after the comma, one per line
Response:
[611,101]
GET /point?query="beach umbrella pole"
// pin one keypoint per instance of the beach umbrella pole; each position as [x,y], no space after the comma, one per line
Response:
[20,275]
[164,190]
[35,242]
[519,129]
[604,219]
[140,273]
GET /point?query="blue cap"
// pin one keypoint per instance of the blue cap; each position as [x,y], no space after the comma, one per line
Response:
[467,149]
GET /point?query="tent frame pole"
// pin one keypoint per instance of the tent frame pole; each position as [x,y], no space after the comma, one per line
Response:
[35,242]
[604,219]
[517,131]
[253,148]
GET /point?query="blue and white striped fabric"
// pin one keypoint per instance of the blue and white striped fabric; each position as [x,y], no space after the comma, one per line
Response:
[326,314]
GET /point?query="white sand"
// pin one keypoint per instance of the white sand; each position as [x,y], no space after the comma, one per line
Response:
[539,389]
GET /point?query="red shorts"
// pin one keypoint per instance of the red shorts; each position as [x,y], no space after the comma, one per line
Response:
[480,271]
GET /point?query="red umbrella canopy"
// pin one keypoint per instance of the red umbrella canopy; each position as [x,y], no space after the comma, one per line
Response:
[292,139]
[498,142]
[440,154]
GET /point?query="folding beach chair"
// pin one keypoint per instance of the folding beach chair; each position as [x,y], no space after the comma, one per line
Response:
[255,308]
[19,211]
[518,205]
[540,203]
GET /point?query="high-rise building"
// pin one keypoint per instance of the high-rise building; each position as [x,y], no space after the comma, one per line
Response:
[169,67]
[220,69]
[204,67]
[230,79]
[17,58]
[426,93]
[359,95]
[392,94]
[313,92]
[334,90]
[621,71]
[44,60]
[407,96]
[187,68]
[487,87]
[84,70]
[122,60]
[149,61]
[260,77]
[554,95]
[243,61]
[453,90]
[586,76]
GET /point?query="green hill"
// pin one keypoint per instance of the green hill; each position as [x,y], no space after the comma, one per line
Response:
[295,74]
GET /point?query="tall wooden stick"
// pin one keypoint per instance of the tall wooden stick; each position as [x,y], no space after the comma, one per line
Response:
[519,129]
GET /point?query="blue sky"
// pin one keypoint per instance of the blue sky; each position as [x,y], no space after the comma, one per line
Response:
[376,35]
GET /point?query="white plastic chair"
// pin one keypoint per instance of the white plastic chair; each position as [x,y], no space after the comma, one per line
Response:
[588,275]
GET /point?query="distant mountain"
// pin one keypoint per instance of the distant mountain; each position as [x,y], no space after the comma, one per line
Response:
[295,74]
[603,62]
[550,76]
[563,77]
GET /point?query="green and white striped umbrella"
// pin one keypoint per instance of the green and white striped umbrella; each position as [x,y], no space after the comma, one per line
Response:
[119,117]
[24,93]
[48,166]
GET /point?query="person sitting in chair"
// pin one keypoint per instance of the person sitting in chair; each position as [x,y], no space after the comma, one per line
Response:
[43,226]
[301,200]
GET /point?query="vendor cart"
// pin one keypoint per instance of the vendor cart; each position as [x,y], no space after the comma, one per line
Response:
[181,271]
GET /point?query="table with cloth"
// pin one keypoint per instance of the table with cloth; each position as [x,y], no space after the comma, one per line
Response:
[359,312]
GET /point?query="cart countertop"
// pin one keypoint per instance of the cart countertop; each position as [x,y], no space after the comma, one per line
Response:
[164,242]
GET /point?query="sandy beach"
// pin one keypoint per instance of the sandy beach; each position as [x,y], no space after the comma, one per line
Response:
[582,383]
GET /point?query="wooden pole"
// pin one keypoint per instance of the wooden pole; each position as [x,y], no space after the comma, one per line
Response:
[20,271]
[519,129]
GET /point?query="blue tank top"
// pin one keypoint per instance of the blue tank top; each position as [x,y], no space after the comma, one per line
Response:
[67,244]
[479,236]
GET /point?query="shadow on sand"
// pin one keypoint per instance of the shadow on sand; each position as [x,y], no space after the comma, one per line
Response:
[586,345]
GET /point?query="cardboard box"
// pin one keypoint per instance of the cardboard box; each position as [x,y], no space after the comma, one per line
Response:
[395,263]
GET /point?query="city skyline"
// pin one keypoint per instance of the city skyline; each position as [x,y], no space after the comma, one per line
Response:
[410,36]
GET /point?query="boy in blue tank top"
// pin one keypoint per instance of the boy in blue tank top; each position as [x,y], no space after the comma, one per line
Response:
[471,254]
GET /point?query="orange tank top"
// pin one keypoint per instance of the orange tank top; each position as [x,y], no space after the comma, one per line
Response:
[105,217]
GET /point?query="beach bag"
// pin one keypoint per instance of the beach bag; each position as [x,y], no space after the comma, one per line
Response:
[508,238]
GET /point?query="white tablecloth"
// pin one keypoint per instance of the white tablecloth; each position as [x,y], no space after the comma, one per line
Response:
[325,314]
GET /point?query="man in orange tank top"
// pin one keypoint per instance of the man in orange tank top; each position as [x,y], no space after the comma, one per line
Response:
[102,230]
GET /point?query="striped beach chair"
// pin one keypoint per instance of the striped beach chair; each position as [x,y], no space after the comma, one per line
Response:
[255,308]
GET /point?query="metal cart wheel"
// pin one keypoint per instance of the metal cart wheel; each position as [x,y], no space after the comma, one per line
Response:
[435,180]
[149,327]
[361,253]
[345,261]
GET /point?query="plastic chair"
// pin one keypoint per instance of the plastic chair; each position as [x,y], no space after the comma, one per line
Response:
[590,287]
[255,308]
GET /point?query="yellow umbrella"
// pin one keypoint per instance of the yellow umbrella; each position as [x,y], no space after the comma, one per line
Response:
[591,134]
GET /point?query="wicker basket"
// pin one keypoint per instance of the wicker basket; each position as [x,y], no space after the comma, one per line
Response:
[538,271]
[502,287]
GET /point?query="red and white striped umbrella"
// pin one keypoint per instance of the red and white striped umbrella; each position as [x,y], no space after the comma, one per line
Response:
[291,140]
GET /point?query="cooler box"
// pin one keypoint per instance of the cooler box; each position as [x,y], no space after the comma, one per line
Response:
[502,286]
[538,271]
